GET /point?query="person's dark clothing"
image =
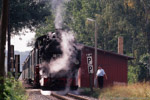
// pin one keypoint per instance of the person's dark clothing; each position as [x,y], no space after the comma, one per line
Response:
[100,81]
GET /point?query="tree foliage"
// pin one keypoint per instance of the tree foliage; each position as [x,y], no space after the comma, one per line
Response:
[47,26]
[127,18]
[26,14]
[114,18]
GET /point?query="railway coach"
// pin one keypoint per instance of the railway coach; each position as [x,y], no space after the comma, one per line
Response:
[30,67]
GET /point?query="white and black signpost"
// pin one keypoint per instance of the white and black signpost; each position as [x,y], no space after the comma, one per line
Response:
[90,69]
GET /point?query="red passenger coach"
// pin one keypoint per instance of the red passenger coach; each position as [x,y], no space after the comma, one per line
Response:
[115,66]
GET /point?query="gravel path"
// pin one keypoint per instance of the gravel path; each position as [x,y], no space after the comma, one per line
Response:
[36,95]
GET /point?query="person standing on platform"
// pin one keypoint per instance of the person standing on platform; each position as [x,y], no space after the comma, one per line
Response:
[100,76]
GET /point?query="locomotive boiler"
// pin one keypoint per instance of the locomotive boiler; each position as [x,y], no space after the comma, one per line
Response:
[54,61]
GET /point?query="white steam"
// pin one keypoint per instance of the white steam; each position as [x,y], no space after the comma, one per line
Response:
[58,7]
[63,62]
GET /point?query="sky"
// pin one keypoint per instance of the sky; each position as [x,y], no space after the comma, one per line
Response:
[20,42]
[20,45]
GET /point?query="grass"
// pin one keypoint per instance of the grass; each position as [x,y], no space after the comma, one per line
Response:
[137,91]
[95,93]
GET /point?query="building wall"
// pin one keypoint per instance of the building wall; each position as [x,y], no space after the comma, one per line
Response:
[114,66]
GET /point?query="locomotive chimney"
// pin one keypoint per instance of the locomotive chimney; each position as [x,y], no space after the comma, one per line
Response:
[120,45]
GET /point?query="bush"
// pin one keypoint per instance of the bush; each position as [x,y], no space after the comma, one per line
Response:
[13,90]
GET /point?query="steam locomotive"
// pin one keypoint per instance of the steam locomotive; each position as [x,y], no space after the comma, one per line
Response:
[44,66]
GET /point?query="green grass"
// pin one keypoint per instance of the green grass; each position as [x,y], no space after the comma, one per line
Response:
[95,93]
[137,91]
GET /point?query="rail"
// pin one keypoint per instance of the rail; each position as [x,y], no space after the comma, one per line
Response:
[69,96]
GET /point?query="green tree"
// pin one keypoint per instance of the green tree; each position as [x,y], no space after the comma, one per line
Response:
[76,19]
[47,26]
[128,18]
[26,14]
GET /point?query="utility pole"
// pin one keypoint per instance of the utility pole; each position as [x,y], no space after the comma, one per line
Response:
[95,48]
[95,34]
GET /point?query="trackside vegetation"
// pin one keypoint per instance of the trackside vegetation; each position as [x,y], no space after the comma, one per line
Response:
[134,91]
[13,90]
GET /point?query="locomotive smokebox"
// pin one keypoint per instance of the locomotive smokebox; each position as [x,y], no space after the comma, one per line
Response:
[55,35]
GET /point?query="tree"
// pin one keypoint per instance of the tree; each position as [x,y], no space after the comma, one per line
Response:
[3,30]
[27,13]
[47,26]
[77,13]
[127,18]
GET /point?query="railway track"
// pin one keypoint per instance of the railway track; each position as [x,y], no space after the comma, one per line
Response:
[35,94]
[69,96]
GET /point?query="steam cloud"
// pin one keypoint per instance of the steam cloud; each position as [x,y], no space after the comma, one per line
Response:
[68,47]
[59,11]
[63,62]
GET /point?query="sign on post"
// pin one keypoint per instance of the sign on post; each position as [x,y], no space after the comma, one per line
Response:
[89,63]
[90,69]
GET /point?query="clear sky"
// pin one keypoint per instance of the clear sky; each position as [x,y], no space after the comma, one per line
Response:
[20,42]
